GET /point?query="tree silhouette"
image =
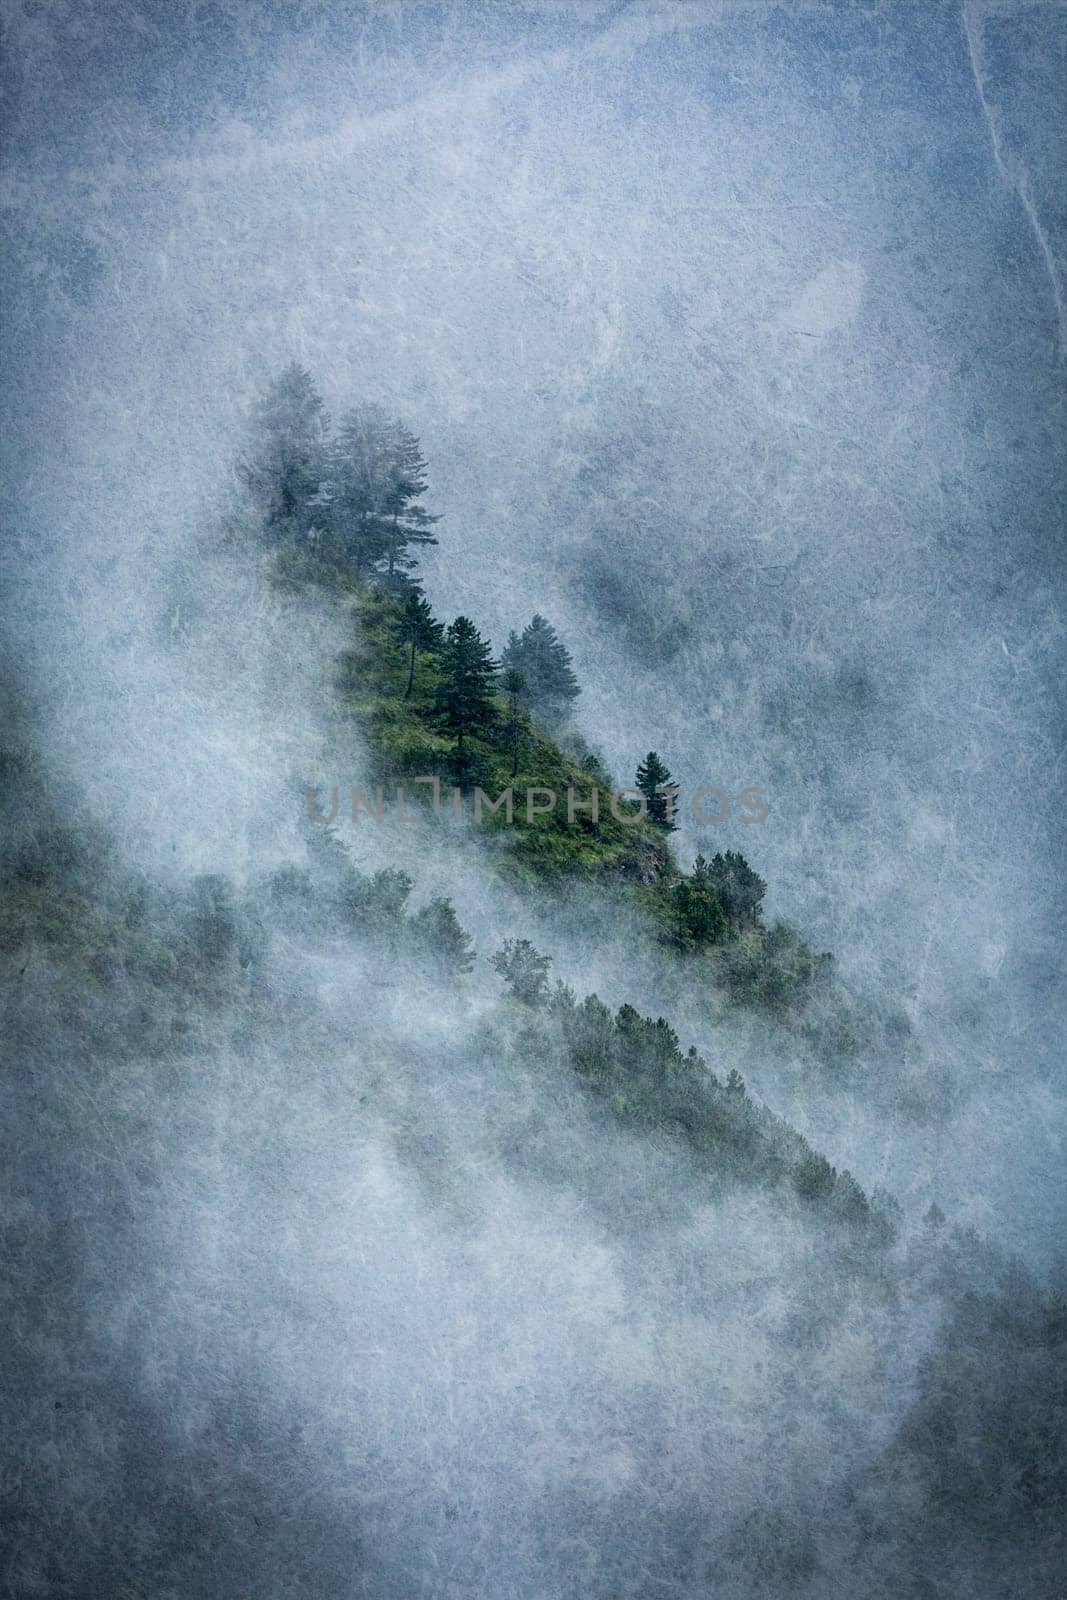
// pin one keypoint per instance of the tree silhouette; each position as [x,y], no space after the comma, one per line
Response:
[286,460]
[546,665]
[738,889]
[465,704]
[418,629]
[524,970]
[652,778]
[358,464]
[437,931]
[406,521]
[700,917]
[376,476]
[514,682]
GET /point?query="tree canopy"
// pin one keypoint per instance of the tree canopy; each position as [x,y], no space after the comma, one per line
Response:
[465,694]
[652,779]
[417,629]
[550,686]
[356,493]
[285,462]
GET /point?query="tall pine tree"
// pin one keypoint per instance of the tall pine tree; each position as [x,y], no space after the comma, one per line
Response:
[545,663]
[417,629]
[465,703]
[737,887]
[653,777]
[285,462]
[513,685]
[407,523]
[377,476]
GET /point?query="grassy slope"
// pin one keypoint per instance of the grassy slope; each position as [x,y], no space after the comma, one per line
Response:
[753,965]
[405,743]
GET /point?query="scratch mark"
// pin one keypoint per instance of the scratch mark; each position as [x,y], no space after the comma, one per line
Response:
[1011,172]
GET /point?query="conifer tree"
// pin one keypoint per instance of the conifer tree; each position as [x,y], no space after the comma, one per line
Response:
[465,703]
[700,918]
[652,778]
[406,521]
[356,466]
[286,462]
[546,665]
[376,477]
[437,933]
[514,683]
[417,629]
[738,889]
[524,969]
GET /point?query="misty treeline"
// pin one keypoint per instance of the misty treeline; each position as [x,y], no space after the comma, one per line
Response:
[128,1002]
[202,1125]
[342,511]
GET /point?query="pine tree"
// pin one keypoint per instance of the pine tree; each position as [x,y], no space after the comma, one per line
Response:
[514,683]
[546,665]
[700,918]
[358,466]
[376,476]
[406,522]
[738,889]
[652,778]
[465,704]
[417,629]
[524,970]
[437,934]
[286,461]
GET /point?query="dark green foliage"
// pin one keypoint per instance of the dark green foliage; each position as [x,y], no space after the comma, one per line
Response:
[465,694]
[550,685]
[417,629]
[376,478]
[814,1178]
[513,684]
[699,916]
[769,967]
[286,458]
[652,779]
[524,970]
[429,705]
[732,882]
[435,931]
[637,1065]
[772,968]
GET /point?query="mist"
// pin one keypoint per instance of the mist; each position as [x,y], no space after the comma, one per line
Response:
[734,340]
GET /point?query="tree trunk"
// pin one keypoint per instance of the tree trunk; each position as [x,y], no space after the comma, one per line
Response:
[411,673]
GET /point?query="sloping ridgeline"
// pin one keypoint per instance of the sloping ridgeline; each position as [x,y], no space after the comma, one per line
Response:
[342,515]
[329,512]
[176,1067]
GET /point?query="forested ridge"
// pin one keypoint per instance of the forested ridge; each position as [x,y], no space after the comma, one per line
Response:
[341,511]
[249,1021]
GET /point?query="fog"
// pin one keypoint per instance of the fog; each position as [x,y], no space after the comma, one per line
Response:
[734,338]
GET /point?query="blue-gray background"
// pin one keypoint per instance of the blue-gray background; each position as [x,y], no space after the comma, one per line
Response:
[735,339]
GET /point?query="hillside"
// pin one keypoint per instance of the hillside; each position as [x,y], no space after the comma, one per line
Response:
[711,918]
